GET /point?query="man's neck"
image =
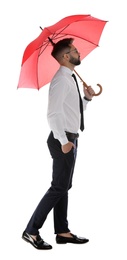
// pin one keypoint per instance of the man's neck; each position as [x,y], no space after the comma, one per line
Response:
[68,65]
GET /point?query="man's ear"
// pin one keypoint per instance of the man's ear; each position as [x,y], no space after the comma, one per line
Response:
[66,56]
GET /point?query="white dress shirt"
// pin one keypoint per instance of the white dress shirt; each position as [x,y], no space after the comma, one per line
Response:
[63,105]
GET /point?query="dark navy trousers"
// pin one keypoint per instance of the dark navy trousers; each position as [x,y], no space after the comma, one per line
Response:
[56,197]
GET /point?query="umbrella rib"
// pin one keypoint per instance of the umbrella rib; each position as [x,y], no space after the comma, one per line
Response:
[76,37]
[46,44]
[71,35]
[55,37]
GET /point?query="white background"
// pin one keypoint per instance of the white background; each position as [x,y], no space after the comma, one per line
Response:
[97,204]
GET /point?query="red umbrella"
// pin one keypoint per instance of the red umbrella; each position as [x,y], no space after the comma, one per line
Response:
[38,66]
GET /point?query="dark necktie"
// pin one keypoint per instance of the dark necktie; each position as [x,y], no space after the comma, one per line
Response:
[81,104]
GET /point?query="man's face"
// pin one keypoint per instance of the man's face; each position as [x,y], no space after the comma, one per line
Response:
[74,56]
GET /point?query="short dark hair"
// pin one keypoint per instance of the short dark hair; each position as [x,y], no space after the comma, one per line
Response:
[61,46]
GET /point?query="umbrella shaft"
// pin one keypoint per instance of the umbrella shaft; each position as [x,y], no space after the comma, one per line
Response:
[81,79]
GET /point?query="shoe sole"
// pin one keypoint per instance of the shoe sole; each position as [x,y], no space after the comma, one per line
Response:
[62,242]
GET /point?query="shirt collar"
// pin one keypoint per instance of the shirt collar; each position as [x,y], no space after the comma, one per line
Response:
[66,69]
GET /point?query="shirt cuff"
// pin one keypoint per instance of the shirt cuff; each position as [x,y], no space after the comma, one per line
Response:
[87,99]
[63,140]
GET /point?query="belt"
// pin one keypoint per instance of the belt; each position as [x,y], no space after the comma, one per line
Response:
[72,135]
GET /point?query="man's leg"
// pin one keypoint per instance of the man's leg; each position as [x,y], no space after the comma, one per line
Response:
[60,209]
[59,187]
[60,215]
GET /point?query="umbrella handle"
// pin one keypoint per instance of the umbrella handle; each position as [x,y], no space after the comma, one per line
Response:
[85,85]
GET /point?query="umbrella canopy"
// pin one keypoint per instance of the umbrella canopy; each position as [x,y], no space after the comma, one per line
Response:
[38,66]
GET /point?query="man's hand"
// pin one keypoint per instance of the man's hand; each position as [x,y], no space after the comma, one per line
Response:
[89,92]
[67,147]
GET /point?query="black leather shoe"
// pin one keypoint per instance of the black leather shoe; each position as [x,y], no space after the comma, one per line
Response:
[74,239]
[38,243]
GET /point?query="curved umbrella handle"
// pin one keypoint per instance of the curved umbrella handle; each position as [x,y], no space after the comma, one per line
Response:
[96,94]
[85,85]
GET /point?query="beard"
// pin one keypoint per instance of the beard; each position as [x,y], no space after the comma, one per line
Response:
[75,61]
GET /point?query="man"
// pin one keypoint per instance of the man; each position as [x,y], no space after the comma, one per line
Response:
[64,117]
